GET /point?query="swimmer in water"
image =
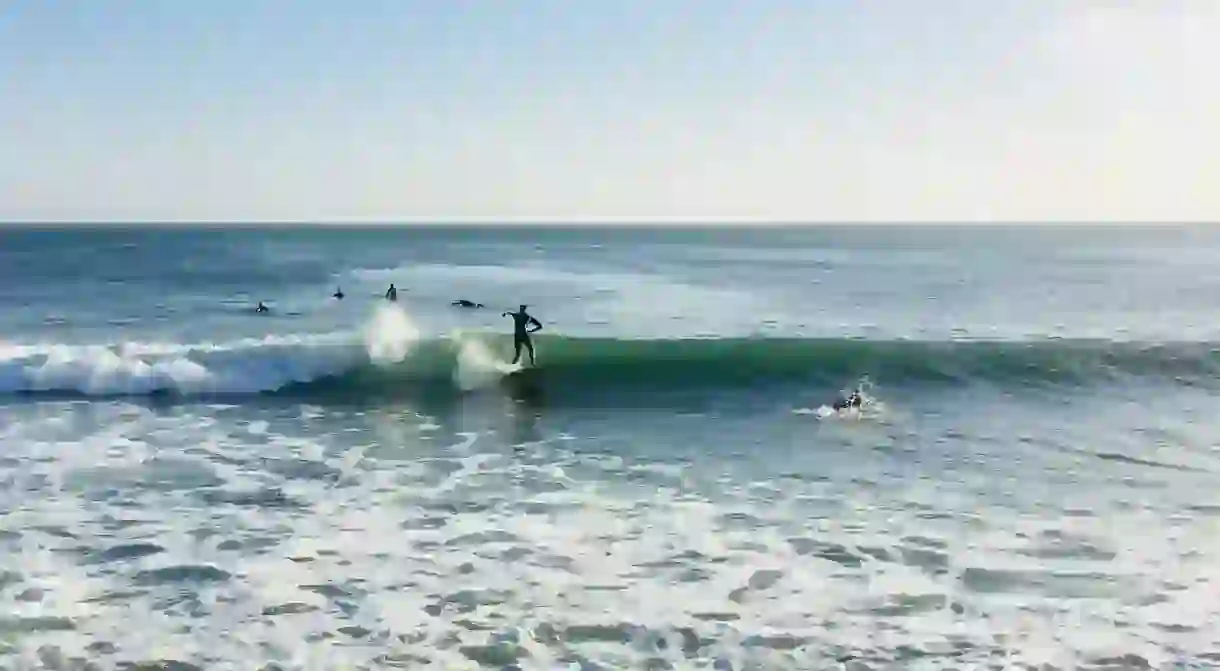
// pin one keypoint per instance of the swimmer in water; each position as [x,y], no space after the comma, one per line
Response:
[521,332]
[338,293]
[262,308]
[854,401]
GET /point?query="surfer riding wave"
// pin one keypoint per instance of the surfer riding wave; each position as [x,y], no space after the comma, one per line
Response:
[521,323]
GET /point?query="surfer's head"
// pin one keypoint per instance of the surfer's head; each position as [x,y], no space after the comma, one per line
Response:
[523,306]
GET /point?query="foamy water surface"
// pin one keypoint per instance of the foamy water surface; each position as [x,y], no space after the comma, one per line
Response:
[168,498]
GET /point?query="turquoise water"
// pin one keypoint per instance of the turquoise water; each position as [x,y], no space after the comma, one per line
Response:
[357,484]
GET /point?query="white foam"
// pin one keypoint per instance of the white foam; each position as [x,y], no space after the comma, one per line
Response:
[242,366]
[390,335]
[625,558]
[477,365]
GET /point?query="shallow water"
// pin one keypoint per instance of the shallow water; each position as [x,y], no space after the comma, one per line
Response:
[352,484]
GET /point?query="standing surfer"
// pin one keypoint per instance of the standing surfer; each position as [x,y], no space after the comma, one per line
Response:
[391,294]
[521,332]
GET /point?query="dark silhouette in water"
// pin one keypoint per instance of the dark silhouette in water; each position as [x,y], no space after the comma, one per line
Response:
[391,294]
[463,303]
[521,332]
[262,308]
[854,401]
[338,293]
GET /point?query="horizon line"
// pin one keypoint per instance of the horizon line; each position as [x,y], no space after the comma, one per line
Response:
[577,222]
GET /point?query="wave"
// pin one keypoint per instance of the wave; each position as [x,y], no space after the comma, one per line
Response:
[466,363]
[391,356]
[250,366]
[576,364]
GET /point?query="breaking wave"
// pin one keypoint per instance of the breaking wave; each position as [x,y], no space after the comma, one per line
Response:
[390,355]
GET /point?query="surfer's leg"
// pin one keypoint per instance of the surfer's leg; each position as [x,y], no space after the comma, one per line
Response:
[530,346]
[516,349]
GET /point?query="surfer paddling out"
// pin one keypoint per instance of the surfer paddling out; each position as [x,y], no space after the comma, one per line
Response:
[855,401]
[521,332]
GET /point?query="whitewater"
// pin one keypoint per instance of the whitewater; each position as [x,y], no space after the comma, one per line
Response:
[365,483]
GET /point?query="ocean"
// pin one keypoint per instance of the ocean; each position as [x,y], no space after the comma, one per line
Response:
[358,483]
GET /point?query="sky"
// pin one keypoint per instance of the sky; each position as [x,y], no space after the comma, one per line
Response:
[610,110]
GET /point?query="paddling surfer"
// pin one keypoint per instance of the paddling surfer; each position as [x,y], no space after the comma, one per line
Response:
[855,401]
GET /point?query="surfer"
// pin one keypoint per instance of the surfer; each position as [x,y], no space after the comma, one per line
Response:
[338,293]
[854,401]
[463,303]
[521,332]
[262,308]
[391,294]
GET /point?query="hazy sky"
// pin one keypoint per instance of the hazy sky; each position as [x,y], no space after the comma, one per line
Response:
[811,110]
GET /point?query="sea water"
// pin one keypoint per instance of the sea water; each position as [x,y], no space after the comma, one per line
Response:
[359,484]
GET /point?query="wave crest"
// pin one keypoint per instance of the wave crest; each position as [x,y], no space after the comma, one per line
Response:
[389,355]
[249,366]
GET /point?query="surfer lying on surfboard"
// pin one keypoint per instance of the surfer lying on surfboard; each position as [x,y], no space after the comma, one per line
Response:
[854,401]
[521,332]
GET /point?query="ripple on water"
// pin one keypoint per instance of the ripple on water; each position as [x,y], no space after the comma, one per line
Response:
[181,574]
[125,552]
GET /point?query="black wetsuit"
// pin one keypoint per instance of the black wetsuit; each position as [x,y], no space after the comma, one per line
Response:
[853,401]
[521,333]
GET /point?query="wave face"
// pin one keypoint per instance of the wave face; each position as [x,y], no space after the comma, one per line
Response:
[397,360]
[705,361]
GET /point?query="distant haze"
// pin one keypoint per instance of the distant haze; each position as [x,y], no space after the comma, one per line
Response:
[799,110]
